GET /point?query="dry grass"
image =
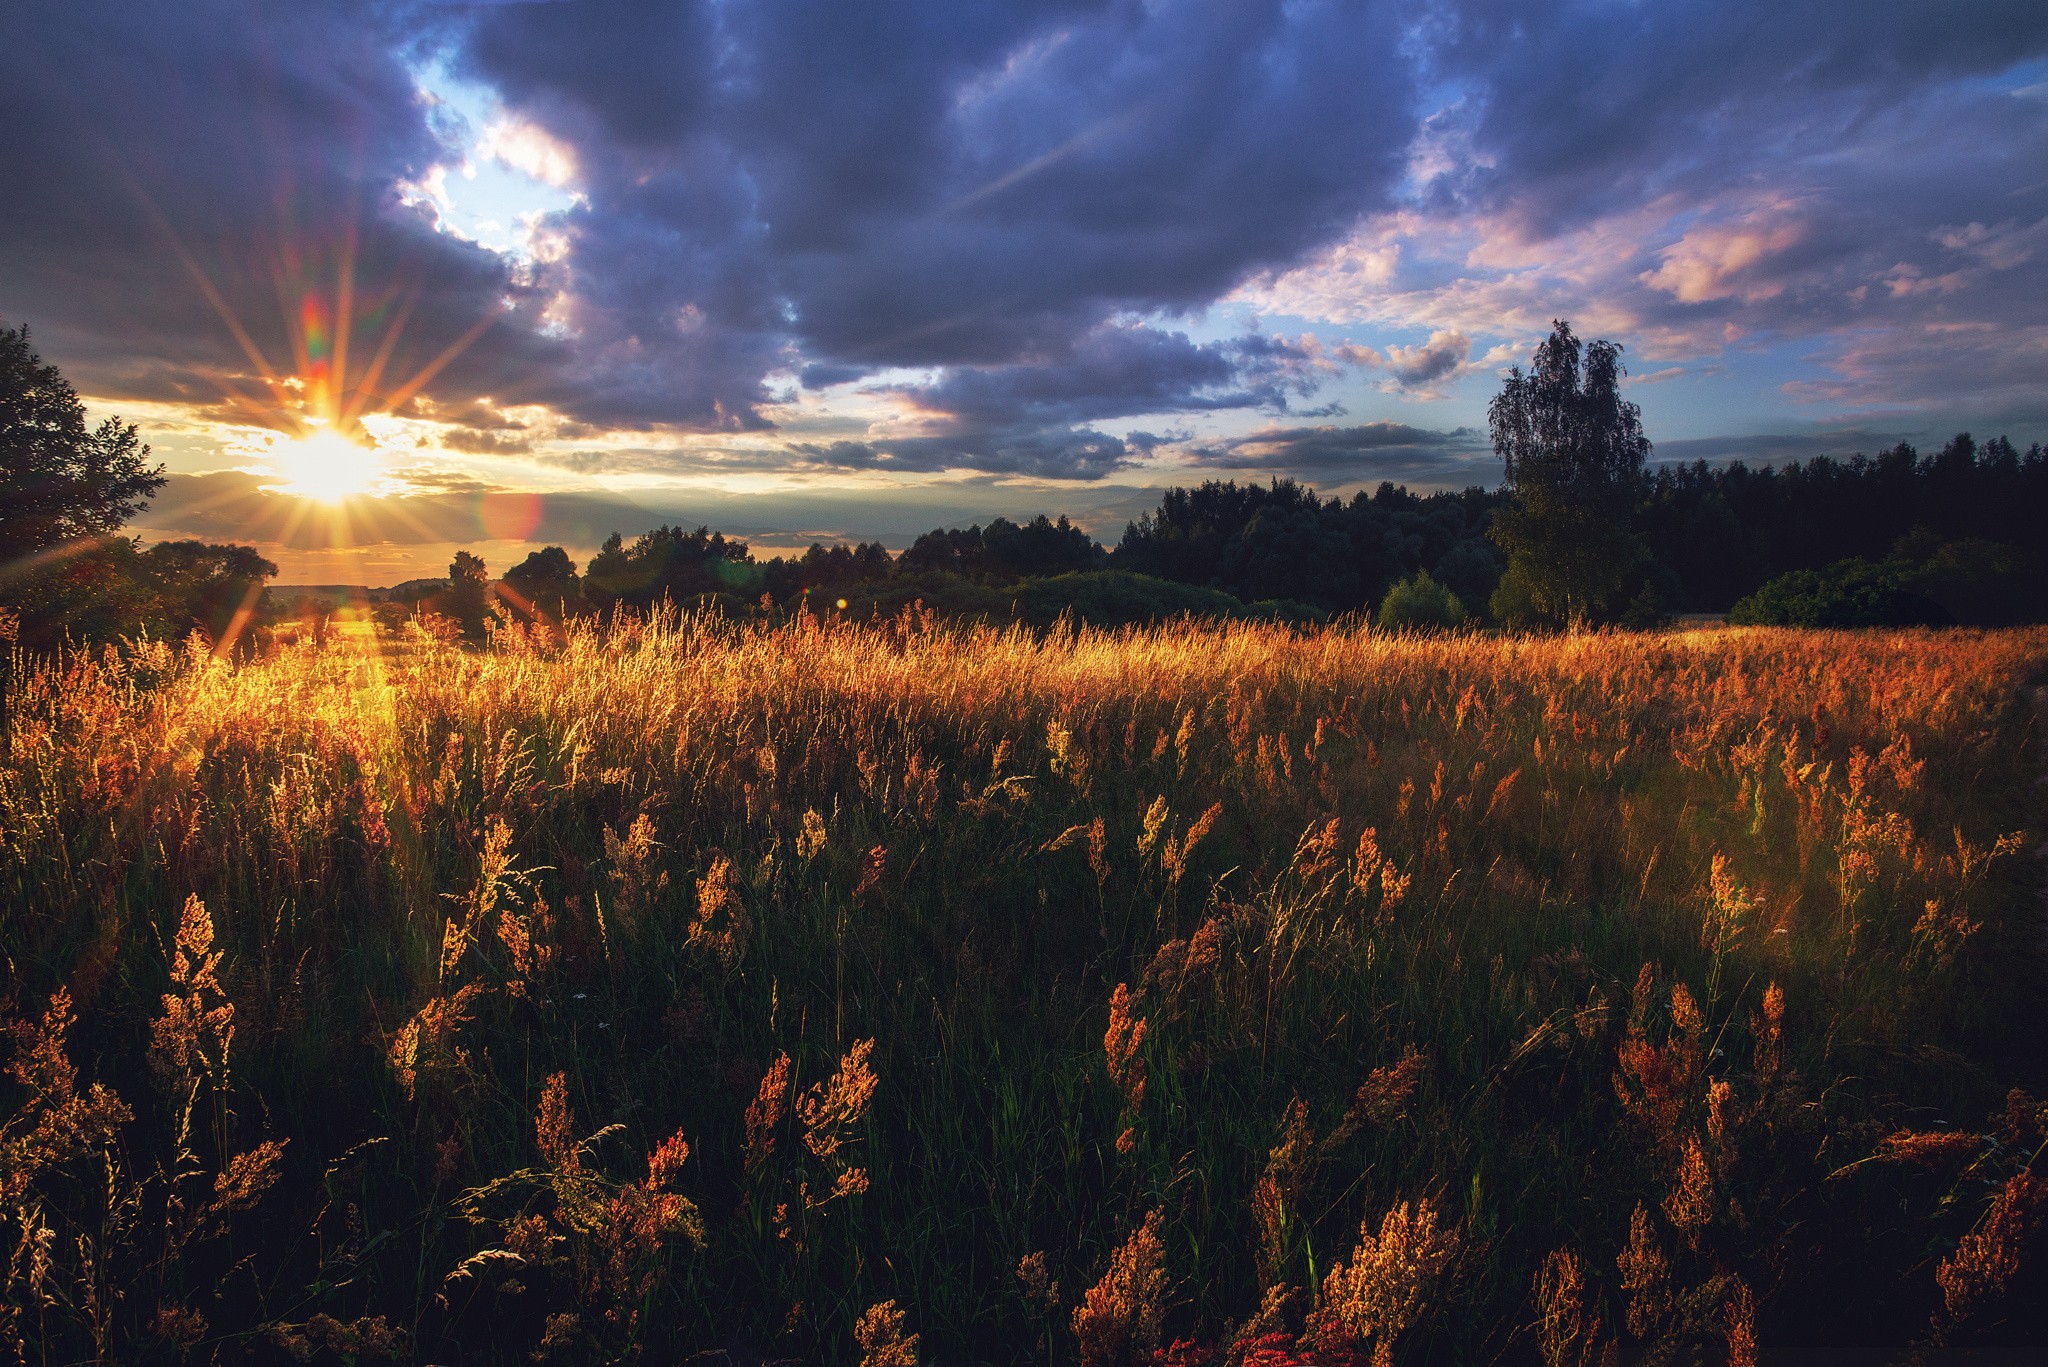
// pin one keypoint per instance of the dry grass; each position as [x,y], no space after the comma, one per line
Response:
[851,991]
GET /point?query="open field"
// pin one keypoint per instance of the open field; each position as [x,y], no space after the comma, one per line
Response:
[1287,997]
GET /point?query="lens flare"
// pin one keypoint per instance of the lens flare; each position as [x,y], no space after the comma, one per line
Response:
[324,465]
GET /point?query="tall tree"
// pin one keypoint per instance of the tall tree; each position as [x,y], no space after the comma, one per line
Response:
[469,585]
[59,479]
[1574,451]
[545,584]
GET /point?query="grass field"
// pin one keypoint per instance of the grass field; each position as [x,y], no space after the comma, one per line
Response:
[926,993]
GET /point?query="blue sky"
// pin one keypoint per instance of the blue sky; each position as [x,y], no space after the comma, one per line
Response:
[381,279]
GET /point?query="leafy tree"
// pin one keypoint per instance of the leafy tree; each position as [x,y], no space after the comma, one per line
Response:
[545,583]
[1848,593]
[1420,604]
[1006,551]
[468,587]
[1574,451]
[204,587]
[669,563]
[59,479]
[1039,547]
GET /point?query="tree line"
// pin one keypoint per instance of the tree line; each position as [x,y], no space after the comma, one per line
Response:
[1583,529]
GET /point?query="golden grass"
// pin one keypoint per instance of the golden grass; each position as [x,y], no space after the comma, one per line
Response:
[833,991]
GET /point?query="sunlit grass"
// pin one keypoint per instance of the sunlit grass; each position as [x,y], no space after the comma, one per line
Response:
[1024,997]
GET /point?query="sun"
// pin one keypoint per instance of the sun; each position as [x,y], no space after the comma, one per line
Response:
[324,465]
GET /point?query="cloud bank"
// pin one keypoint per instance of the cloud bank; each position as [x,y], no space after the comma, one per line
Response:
[908,238]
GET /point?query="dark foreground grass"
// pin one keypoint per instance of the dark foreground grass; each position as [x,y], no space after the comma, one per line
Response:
[1235,995]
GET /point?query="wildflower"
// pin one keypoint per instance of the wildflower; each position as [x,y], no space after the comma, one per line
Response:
[871,871]
[1278,1190]
[1039,1288]
[178,1326]
[1378,883]
[1119,1317]
[1928,1148]
[1738,1318]
[830,1109]
[879,1332]
[1730,908]
[1155,822]
[811,839]
[722,922]
[192,1036]
[56,1122]
[1768,1032]
[1121,1042]
[1386,1284]
[1655,1082]
[1645,1275]
[1384,1096]
[1988,1257]
[1174,858]
[2023,1123]
[636,882]
[426,1043]
[1690,1204]
[1098,850]
[765,1113]
[1179,965]
[241,1184]
[1567,1328]
[552,1127]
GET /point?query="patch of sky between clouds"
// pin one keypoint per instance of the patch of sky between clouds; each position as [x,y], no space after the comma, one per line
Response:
[487,190]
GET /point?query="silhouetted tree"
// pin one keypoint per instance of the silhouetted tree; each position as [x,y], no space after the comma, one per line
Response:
[544,584]
[1574,451]
[60,480]
[668,563]
[212,589]
[468,588]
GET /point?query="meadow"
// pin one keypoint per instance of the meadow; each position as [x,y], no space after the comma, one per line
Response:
[1230,994]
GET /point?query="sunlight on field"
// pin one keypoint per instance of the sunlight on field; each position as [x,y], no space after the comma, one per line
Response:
[1047,996]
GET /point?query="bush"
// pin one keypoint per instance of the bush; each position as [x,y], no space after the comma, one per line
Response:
[1420,604]
[1979,582]
[1848,593]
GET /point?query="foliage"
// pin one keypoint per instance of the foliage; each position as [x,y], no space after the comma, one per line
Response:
[111,588]
[61,482]
[1420,604]
[1007,551]
[1573,450]
[1849,593]
[1186,994]
[1724,531]
[667,563]
[545,584]
[1285,542]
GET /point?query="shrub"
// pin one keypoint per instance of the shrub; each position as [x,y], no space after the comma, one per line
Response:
[1978,582]
[1420,604]
[1848,593]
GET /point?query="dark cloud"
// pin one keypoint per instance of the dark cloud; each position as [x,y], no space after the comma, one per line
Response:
[486,443]
[1033,417]
[175,150]
[1585,110]
[1040,453]
[905,183]
[1118,371]
[1361,454]
[991,193]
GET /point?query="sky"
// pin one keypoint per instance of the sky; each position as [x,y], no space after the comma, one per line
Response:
[380,280]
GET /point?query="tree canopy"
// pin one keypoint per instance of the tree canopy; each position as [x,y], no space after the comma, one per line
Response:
[61,480]
[1573,451]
